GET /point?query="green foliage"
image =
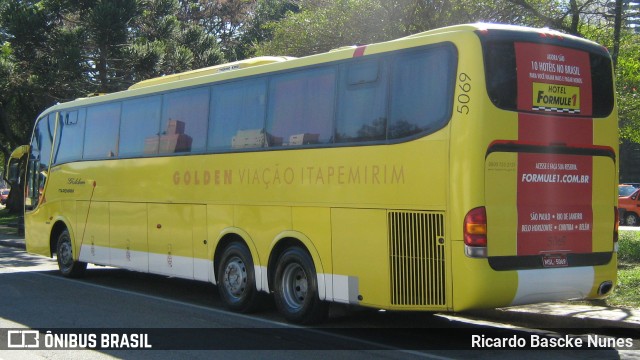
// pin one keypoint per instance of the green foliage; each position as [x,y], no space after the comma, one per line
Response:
[626,292]
[57,50]
[629,247]
[163,44]
[628,87]
[324,27]
[261,28]
[320,26]
[203,47]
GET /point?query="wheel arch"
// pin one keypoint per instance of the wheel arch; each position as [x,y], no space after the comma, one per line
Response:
[58,227]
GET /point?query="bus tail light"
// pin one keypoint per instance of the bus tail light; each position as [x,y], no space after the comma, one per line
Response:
[475,233]
[615,228]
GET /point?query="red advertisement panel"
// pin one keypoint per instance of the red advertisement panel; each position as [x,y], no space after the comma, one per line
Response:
[554,203]
[554,193]
[553,79]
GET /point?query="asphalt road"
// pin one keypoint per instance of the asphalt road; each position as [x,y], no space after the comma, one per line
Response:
[180,318]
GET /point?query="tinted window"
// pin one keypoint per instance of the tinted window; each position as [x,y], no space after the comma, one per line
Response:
[362,102]
[101,134]
[502,80]
[71,136]
[421,91]
[601,77]
[140,127]
[301,107]
[502,77]
[184,121]
[237,112]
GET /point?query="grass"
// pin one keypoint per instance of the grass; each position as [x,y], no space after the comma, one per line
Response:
[626,293]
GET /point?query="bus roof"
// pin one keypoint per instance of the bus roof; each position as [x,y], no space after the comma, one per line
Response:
[492,26]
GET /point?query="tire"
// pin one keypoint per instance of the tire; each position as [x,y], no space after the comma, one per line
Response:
[296,288]
[236,279]
[64,254]
[631,219]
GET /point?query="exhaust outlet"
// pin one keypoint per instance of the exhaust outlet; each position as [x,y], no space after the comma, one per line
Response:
[605,288]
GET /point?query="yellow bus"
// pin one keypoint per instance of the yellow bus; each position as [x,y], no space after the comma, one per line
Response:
[468,167]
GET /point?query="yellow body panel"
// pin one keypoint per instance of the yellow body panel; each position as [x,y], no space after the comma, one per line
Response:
[360,250]
[601,203]
[263,224]
[92,234]
[488,289]
[36,228]
[500,187]
[128,231]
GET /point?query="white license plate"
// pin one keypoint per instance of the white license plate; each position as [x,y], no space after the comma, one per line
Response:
[556,260]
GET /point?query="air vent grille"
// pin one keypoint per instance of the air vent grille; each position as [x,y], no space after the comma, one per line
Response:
[417,258]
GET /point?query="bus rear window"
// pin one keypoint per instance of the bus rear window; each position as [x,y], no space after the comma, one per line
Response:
[548,78]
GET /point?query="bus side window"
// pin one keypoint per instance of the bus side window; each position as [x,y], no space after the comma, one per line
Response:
[237,115]
[301,107]
[362,102]
[140,127]
[70,137]
[421,91]
[101,134]
[183,125]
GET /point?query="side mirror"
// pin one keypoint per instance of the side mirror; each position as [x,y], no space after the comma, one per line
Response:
[15,164]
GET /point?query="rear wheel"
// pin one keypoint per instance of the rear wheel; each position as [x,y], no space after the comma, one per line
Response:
[236,279]
[631,219]
[296,288]
[64,253]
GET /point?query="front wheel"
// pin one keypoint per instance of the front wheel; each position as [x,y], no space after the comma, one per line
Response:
[296,288]
[64,253]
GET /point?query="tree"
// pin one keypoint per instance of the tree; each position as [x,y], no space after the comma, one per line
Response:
[320,27]
[57,50]
[261,29]
[24,65]
[107,29]
[628,87]
[163,44]
[225,20]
